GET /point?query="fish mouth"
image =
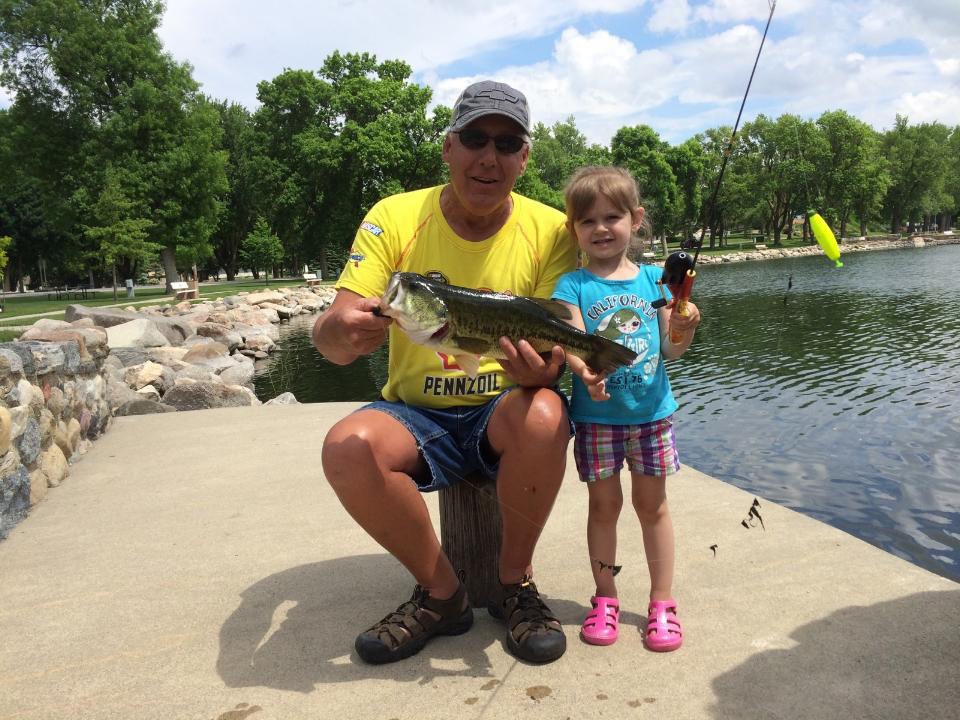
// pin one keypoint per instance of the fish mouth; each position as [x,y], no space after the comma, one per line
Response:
[441,333]
[390,294]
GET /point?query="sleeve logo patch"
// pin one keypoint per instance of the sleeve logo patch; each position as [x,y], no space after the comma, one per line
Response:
[371,228]
[356,258]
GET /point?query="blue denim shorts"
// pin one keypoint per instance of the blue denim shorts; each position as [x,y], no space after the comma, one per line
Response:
[452,441]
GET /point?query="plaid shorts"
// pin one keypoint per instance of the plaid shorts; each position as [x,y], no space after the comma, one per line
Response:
[649,449]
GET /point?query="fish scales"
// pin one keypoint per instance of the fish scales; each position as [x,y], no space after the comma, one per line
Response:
[468,323]
[505,319]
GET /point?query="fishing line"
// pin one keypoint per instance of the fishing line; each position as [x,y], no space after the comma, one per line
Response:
[679,270]
[712,205]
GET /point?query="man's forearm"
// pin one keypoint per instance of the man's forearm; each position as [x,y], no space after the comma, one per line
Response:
[327,341]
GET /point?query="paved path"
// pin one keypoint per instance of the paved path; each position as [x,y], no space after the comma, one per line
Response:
[196,565]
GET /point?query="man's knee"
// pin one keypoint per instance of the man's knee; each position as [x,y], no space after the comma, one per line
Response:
[368,444]
[536,415]
[345,447]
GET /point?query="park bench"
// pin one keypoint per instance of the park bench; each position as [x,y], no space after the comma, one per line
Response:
[184,291]
[470,533]
[312,279]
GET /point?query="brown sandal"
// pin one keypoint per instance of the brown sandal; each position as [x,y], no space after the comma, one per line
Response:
[533,633]
[406,630]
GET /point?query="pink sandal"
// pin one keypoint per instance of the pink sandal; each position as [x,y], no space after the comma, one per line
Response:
[602,624]
[664,631]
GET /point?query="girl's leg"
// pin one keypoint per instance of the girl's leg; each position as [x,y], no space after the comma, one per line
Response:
[650,502]
[606,500]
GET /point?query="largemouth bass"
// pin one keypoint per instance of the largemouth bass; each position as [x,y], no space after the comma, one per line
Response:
[468,323]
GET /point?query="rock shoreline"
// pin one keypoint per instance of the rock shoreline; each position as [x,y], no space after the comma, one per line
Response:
[849,245]
[63,381]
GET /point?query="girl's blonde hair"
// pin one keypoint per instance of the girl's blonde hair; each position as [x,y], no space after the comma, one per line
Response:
[616,184]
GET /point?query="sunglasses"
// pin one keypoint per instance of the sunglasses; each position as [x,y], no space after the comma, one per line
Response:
[477,140]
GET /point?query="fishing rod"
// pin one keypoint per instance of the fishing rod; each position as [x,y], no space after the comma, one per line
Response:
[679,269]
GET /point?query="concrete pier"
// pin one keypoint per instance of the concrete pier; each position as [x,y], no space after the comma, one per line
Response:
[197,565]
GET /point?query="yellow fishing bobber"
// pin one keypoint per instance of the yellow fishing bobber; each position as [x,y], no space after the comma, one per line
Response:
[824,236]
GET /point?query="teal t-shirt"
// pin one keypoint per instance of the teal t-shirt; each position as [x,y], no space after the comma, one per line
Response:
[622,311]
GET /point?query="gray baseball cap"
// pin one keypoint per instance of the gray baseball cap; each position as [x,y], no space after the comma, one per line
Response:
[490,98]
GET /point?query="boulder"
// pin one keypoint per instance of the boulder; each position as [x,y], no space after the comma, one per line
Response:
[143,407]
[142,333]
[205,395]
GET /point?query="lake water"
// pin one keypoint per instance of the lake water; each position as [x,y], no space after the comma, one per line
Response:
[834,392]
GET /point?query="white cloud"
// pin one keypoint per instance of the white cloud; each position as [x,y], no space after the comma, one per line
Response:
[949,67]
[929,106]
[601,79]
[237,43]
[670,15]
[686,84]
[678,65]
[727,11]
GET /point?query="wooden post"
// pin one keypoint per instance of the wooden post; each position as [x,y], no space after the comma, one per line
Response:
[470,532]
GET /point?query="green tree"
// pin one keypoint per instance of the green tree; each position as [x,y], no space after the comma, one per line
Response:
[641,151]
[916,158]
[717,212]
[338,141]
[261,249]
[853,177]
[243,202]
[688,162]
[92,76]
[122,233]
[555,153]
[5,242]
[776,155]
[37,161]
[952,182]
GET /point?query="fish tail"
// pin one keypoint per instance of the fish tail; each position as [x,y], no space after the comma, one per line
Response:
[607,356]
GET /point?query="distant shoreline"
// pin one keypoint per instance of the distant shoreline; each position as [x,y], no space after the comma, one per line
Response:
[849,245]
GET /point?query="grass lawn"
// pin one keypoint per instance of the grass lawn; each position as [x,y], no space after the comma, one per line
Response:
[18,305]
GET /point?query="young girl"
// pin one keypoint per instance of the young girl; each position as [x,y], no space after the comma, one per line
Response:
[627,415]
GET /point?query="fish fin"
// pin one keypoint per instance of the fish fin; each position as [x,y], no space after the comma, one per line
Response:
[608,356]
[470,364]
[557,309]
[476,346]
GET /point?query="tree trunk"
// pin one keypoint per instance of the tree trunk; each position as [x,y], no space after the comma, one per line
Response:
[168,257]
[470,532]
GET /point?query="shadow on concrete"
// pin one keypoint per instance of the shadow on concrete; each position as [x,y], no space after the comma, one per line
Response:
[897,659]
[295,629]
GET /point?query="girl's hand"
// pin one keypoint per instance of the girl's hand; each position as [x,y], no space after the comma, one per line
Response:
[683,324]
[596,384]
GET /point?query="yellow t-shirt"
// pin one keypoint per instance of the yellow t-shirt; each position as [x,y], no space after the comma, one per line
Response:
[408,232]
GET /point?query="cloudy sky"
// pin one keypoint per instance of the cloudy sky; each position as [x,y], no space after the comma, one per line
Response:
[679,66]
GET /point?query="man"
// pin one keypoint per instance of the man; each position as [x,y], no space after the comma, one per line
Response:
[473,232]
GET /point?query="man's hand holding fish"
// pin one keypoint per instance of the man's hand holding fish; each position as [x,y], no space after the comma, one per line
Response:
[528,368]
[358,330]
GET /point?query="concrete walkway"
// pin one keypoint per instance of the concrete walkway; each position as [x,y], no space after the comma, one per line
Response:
[196,565]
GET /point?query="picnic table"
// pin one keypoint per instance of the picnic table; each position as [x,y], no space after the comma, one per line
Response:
[64,292]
